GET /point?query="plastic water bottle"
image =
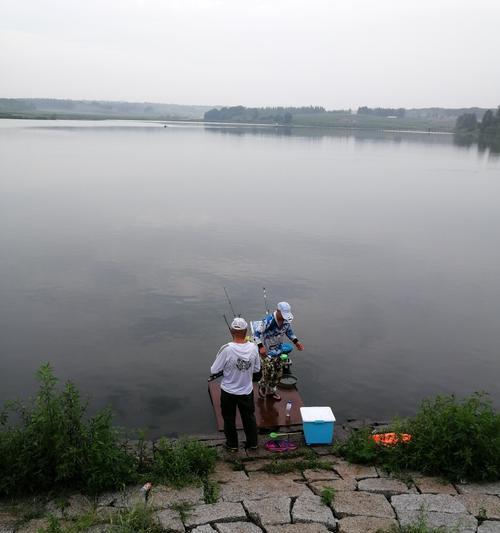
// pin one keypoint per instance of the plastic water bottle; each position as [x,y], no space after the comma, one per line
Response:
[288,408]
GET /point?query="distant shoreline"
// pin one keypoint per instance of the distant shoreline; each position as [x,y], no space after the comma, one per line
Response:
[43,116]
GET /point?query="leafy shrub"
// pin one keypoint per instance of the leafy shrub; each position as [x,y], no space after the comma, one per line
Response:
[458,440]
[183,462]
[55,445]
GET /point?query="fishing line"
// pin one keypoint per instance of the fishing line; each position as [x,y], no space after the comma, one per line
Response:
[229,301]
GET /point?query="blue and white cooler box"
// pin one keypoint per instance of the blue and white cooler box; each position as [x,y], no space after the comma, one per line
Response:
[318,423]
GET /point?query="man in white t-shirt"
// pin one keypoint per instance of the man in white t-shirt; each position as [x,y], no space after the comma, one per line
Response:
[238,360]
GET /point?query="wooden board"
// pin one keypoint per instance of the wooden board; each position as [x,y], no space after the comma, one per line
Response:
[269,413]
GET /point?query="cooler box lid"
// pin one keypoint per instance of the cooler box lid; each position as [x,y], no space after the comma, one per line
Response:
[317,414]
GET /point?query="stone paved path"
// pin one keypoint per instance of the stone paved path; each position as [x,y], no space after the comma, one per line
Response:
[251,501]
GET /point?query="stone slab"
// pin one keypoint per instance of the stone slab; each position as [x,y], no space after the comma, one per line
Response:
[33,526]
[163,497]
[337,485]
[288,476]
[456,522]
[7,522]
[76,505]
[321,449]
[215,512]
[307,509]
[254,466]
[170,520]
[271,511]
[319,475]
[440,503]
[433,485]
[238,527]
[298,528]
[481,504]
[479,488]
[229,475]
[385,486]
[262,485]
[348,470]
[365,524]
[203,529]
[361,504]
[489,527]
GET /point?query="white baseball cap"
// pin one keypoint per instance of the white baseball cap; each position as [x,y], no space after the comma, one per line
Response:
[286,311]
[239,324]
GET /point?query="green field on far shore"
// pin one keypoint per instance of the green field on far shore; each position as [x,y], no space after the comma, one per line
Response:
[347,120]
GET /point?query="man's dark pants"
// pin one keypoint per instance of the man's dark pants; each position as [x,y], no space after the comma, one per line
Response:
[244,402]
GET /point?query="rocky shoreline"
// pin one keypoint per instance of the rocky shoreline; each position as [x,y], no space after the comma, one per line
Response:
[249,499]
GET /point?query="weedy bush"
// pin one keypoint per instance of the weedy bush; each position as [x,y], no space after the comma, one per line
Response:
[327,495]
[139,519]
[183,462]
[458,440]
[54,445]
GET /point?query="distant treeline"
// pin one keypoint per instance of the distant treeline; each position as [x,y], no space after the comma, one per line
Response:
[382,111]
[56,108]
[489,126]
[264,115]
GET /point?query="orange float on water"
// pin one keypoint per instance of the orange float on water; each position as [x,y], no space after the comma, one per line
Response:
[390,439]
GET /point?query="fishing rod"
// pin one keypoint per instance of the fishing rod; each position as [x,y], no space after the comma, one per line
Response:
[266,307]
[219,374]
[230,304]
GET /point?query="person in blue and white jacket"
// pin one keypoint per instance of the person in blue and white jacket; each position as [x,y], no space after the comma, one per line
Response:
[269,337]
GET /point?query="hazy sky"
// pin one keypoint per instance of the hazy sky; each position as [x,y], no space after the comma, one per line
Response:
[335,53]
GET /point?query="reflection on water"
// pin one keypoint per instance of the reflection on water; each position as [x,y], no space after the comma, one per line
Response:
[485,144]
[117,239]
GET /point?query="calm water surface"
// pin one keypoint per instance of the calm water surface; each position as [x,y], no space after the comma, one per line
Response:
[116,240]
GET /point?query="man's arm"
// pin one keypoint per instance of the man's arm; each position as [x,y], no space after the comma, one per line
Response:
[291,335]
[260,334]
[220,360]
[257,362]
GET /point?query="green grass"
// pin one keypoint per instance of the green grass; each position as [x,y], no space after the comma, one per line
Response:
[327,496]
[183,462]
[457,440]
[211,491]
[419,527]
[139,519]
[307,460]
[346,120]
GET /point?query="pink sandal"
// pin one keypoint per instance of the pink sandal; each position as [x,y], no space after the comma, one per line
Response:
[280,446]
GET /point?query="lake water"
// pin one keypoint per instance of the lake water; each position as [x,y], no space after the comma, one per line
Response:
[117,238]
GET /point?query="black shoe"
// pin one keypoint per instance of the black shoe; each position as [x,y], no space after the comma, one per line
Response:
[230,448]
